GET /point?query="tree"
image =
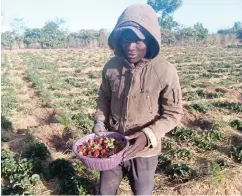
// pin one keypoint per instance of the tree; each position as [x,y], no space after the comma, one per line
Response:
[32,36]
[167,22]
[237,25]
[18,26]
[187,33]
[7,39]
[165,9]
[53,35]
[234,30]
[239,35]
[202,32]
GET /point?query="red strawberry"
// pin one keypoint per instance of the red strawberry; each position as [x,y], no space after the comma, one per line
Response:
[96,153]
[100,141]
[105,141]
[116,141]
[80,148]
[89,153]
[117,149]
[104,153]
[83,153]
[90,141]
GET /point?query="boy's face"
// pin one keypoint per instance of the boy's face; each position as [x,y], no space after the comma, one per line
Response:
[134,48]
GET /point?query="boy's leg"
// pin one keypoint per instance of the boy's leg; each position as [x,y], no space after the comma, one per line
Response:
[110,181]
[141,175]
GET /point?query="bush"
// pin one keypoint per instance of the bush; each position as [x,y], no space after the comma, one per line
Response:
[167,37]
[187,33]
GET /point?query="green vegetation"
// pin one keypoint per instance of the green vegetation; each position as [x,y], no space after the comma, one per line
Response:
[237,124]
[236,153]
[163,162]
[201,107]
[181,173]
[62,80]
[69,182]
[205,140]
[233,106]
[19,173]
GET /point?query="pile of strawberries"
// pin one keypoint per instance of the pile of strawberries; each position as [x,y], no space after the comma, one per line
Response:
[101,147]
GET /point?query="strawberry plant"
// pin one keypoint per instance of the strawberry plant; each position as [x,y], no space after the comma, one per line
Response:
[206,140]
[18,173]
[58,168]
[8,101]
[234,106]
[70,183]
[205,75]
[237,124]
[200,107]
[167,144]
[163,162]
[6,129]
[182,154]
[236,153]
[207,95]
[83,122]
[183,134]
[37,150]
[181,173]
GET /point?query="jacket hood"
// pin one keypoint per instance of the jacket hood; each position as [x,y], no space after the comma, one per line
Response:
[143,17]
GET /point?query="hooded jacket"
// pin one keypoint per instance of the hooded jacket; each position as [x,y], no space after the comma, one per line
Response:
[146,97]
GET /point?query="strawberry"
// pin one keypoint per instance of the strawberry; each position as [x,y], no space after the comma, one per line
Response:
[99,141]
[80,148]
[96,153]
[89,153]
[91,141]
[83,153]
[117,149]
[116,140]
[104,153]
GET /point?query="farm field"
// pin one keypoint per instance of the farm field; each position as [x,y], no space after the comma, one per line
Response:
[48,100]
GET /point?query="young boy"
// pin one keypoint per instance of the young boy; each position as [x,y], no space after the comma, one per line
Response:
[140,97]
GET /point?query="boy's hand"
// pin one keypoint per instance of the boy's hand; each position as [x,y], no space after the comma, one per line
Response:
[140,141]
[98,127]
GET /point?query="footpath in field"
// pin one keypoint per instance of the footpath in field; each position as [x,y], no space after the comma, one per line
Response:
[48,100]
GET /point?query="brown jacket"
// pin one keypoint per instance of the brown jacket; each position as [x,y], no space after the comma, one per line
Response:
[145,97]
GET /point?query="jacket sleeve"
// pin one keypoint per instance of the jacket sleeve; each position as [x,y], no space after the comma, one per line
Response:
[171,112]
[103,100]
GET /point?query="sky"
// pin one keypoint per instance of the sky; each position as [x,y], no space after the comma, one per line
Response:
[97,14]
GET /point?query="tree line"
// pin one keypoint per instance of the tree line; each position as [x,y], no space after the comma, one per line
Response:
[54,35]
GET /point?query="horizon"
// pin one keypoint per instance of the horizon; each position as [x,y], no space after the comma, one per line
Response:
[99,16]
